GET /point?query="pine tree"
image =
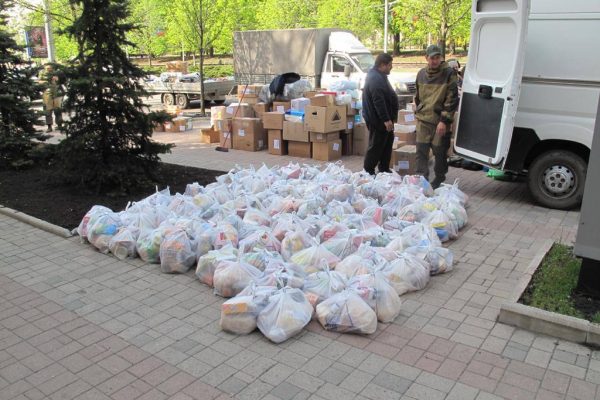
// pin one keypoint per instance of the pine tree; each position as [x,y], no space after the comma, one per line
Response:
[108,145]
[17,119]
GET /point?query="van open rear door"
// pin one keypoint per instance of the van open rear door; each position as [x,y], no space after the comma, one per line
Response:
[492,81]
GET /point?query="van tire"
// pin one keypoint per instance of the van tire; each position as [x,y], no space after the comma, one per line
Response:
[168,99]
[556,179]
[182,101]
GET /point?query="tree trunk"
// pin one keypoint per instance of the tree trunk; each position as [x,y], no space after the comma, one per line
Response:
[149,59]
[396,51]
[211,51]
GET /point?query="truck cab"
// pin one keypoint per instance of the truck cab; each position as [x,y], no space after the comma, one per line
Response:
[346,51]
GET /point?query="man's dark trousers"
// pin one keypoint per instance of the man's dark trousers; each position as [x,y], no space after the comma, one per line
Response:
[379,151]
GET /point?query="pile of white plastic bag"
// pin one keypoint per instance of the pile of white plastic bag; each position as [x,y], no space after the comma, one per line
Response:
[288,244]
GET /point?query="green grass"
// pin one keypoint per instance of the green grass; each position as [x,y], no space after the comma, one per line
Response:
[553,282]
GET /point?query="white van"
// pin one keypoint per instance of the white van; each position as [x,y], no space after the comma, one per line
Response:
[531,91]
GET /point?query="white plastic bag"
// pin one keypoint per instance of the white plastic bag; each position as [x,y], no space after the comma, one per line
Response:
[354,265]
[90,216]
[379,294]
[311,258]
[239,314]
[439,258]
[346,312]
[231,277]
[104,227]
[321,285]
[205,270]
[287,312]
[407,273]
[176,254]
[122,245]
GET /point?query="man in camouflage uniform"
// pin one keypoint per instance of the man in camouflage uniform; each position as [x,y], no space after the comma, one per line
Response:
[436,100]
[52,96]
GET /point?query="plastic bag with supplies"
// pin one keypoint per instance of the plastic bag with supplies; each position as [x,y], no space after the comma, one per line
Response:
[377,292]
[239,314]
[347,312]
[286,314]
[176,254]
[407,273]
[231,277]
[205,270]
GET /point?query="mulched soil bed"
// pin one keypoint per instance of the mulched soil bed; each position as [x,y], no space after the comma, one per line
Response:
[36,192]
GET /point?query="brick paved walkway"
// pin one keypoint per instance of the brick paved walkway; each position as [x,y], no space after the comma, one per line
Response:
[76,324]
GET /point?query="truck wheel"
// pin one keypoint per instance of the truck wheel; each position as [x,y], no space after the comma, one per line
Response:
[168,99]
[182,101]
[556,179]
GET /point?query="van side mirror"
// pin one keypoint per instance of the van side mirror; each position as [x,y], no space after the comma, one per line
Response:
[348,70]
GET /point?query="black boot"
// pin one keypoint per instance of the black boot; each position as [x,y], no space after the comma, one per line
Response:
[49,128]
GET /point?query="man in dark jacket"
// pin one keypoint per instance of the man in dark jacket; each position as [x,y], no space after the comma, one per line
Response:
[380,110]
[436,100]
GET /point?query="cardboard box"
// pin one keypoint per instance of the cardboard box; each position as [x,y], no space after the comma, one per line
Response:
[226,139]
[300,104]
[325,119]
[294,131]
[398,143]
[183,124]
[281,106]
[300,149]
[349,125]
[250,100]
[404,160]
[209,136]
[260,109]
[411,106]
[177,66]
[277,145]
[273,120]
[360,139]
[323,137]
[218,112]
[350,110]
[243,110]
[158,127]
[311,93]
[347,144]
[322,100]
[248,134]
[406,117]
[248,90]
[327,151]
[171,127]
[408,137]
[223,125]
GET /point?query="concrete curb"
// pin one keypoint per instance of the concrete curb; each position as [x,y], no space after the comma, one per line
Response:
[36,222]
[541,321]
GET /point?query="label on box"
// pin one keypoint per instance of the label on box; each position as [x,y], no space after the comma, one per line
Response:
[336,147]
[403,164]
[409,117]
[260,144]
[229,110]
[181,128]
[242,133]
[350,124]
[276,144]
[353,104]
[168,125]
[281,109]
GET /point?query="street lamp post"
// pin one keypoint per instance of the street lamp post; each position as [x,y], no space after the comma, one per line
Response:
[49,33]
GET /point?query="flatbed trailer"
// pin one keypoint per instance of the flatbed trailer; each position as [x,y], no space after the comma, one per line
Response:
[182,93]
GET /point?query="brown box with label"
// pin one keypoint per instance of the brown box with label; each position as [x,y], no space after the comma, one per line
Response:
[398,143]
[248,134]
[408,137]
[236,110]
[209,136]
[327,151]
[404,160]
[248,90]
[293,130]
[322,100]
[325,119]
[158,127]
[323,137]
[277,145]
[226,139]
[406,117]
[182,124]
[222,125]
[170,127]
[273,120]
[300,149]
[360,139]
[281,106]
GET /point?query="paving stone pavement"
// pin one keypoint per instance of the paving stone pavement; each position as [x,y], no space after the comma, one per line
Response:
[77,324]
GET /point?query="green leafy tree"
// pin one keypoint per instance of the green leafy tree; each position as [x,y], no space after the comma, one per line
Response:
[149,37]
[17,119]
[202,21]
[287,14]
[108,143]
[415,19]
[363,17]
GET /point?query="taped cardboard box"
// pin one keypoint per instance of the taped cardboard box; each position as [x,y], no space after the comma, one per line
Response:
[404,160]
[300,149]
[322,100]
[183,124]
[349,125]
[325,119]
[294,130]
[249,90]
[273,120]
[360,139]
[408,137]
[327,151]
[282,106]
[171,127]
[406,117]
[248,134]
[260,109]
[158,127]
[277,145]
[218,112]
[398,143]
[323,137]
[209,136]
[245,111]
[226,139]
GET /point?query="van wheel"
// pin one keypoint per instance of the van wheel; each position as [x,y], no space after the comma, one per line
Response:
[168,99]
[182,101]
[557,178]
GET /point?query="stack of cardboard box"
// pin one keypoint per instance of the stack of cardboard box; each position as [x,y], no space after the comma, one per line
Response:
[249,93]
[324,121]
[404,151]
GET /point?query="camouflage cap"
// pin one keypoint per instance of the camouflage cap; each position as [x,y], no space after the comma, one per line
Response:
[433,50]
